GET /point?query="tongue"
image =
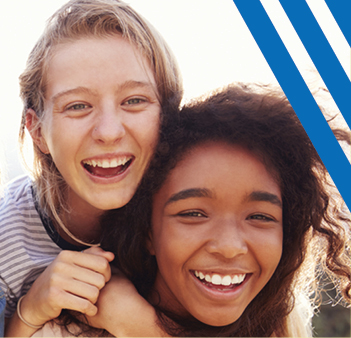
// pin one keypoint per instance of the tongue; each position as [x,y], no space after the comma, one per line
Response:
[106,172]
[220,287]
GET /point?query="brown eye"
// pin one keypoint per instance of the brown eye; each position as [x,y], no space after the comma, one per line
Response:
[261,217]
[191,214]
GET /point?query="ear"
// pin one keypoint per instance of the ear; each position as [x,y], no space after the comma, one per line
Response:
[34,127]
[150,245]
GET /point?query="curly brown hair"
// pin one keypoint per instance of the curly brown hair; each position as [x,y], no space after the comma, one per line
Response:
[316,225]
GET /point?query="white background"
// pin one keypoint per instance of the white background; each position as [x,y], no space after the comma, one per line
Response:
[209,38]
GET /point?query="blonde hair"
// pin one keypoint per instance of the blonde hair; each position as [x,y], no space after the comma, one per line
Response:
[74,20]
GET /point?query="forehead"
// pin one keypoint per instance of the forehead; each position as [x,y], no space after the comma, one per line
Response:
[89,60]
[219,165]
[84,42]
[94,47]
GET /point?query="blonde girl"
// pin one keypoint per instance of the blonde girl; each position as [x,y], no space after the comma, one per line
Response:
[96,86]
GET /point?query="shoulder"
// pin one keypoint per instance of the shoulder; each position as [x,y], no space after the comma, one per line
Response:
[52,329]
[2,313]
[299,321]
[17,205]
[16,192]
[26,248]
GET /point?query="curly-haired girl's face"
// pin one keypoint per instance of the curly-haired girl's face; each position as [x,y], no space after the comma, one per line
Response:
[216,233]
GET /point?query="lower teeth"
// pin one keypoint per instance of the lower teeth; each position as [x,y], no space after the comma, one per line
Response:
[218,286]
[96,171]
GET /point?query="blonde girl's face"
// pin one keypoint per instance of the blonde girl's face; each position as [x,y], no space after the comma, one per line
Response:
[216,233]
[101,119]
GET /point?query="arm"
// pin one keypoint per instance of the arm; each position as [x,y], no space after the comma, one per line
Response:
[72,281]
[124,313]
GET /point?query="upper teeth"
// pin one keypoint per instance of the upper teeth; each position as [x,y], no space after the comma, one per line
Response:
[220,280]
[113,163]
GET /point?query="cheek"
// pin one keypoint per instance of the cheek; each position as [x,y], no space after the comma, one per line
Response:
[270,252]
[170,249]
[171,260]
[146,129]
[61,136]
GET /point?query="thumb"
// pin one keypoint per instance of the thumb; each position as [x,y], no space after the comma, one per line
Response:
[109,256]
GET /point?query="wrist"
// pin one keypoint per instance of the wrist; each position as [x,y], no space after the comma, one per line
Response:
[26,316]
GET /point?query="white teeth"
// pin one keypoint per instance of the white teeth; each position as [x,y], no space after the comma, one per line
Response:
[235,279]
[113,163]
[226,280]
[218,280]
[105,164]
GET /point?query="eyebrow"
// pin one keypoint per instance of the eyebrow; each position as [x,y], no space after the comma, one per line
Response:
[189,193]
[125,85]
[263,196]
[72,91]
[135,84]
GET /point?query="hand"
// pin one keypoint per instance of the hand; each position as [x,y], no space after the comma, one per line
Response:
[124,312]
[72,281]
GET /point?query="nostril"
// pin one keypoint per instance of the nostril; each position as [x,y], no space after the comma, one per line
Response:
[109,132]
[227,246]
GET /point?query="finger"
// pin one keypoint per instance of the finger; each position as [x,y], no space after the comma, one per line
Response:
[63,273]
[83,290]
[100,252]
[97,264]
[87,261]
[73,302]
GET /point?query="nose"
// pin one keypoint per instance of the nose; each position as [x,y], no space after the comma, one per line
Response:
[227,240]
[109,126]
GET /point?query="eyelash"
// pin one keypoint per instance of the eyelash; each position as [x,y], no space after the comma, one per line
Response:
[82,106]
[139,99]
[261,217]
[191,213]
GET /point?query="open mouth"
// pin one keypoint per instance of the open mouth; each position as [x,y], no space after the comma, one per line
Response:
[220,282]
[107,168]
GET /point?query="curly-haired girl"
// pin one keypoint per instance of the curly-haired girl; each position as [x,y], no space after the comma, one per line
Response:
[234,221]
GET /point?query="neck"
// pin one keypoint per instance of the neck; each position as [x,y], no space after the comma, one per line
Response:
[82,220]
[161,295]
[85,227]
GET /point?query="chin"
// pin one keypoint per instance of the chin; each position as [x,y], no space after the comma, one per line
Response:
[109,204]
[218,319]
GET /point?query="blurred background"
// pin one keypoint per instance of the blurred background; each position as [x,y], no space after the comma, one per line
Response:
[213,47]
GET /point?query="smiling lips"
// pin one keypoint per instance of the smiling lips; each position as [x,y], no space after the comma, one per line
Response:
[107,167]
[222,281]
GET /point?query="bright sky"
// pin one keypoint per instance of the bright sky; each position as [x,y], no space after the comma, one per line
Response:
[209,38]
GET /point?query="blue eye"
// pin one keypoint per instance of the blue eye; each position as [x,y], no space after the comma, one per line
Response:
[77,106]
[135,100]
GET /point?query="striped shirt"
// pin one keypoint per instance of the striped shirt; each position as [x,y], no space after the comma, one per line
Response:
[28,241]
[2,313]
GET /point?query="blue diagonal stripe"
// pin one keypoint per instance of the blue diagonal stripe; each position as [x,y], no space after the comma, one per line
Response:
[321,54]
[341,10]
[298,94]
